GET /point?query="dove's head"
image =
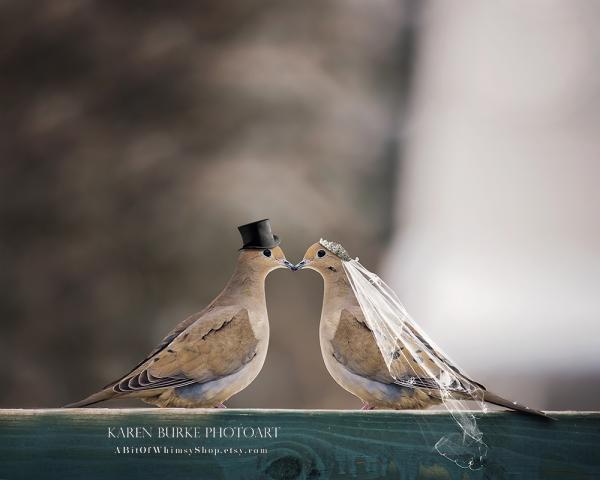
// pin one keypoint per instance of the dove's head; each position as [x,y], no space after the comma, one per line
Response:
[321,259]
[261,252]
[265,259]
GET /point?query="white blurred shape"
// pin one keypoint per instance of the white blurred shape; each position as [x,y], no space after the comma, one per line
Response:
[497,246]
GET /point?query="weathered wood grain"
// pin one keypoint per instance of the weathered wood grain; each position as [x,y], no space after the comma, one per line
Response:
[65,444]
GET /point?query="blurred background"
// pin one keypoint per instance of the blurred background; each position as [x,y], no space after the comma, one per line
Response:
[454,147]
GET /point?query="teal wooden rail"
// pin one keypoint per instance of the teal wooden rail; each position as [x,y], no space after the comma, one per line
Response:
[286,444]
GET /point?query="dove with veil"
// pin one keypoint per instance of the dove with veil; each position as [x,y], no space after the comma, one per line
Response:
[372,347]
[377,352]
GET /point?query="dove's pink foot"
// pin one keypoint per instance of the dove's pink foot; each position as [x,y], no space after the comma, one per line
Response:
[220,405]
[366,406]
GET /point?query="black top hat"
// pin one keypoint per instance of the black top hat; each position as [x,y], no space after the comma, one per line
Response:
[258,235]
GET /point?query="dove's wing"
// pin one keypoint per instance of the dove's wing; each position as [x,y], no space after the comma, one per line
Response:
[216,345]
[355,347]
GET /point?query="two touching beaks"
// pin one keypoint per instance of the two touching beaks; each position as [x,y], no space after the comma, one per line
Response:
[305,262]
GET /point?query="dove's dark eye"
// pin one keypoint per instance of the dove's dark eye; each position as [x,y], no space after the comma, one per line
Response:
[267,253]
[321,253]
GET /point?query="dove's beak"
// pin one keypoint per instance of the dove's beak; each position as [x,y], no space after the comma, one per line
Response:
[286,264]
[300,265]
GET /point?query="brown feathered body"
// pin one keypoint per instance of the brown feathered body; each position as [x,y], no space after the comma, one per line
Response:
[354,360]
[211,355]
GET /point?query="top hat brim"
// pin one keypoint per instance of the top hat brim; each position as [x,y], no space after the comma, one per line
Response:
[272,244]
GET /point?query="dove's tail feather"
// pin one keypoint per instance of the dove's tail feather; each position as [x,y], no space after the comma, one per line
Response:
[503,402]
[100,396]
